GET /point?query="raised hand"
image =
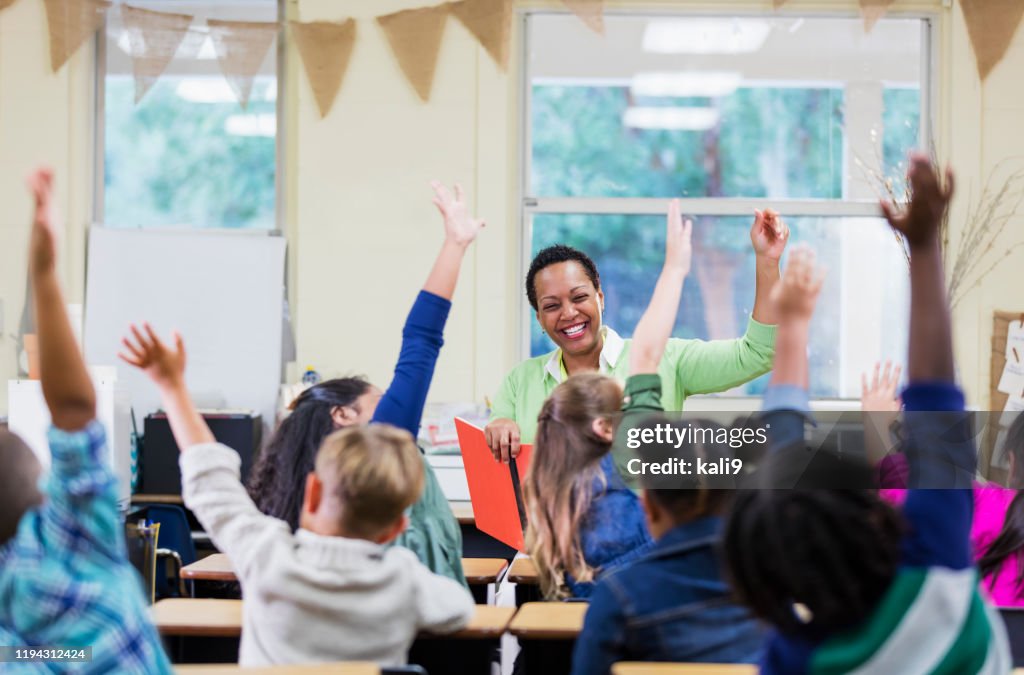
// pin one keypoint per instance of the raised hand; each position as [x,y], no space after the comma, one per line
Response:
[879,393]
[43,242]
[164,365]
[796,293]
[920,221]
[678,246]
[769,234]
[459,226]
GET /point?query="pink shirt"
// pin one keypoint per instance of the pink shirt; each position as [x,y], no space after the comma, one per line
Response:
[991,503]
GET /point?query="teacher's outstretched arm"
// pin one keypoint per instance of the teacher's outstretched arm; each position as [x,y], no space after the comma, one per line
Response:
[768,235]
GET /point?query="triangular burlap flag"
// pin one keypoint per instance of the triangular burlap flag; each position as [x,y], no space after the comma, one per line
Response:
[991,25]
[325,48]
[71,23]
[778,3]
[415,36]
[590,12]
[491,22]
[872,11]
[241,48]
[153,40]
[4,4]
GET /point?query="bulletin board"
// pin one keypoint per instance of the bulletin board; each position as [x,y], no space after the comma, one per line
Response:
[996,399]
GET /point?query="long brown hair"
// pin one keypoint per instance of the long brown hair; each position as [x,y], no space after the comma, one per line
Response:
[557,489]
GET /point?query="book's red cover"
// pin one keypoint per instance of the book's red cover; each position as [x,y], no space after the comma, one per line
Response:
[491,487]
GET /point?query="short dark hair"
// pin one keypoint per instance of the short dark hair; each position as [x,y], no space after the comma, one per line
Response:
[19,483]
[693,496]
[552,255]
[832,551]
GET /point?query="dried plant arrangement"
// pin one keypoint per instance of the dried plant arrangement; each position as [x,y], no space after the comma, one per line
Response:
[974,255]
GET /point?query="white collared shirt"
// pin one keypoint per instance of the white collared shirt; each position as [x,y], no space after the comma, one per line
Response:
[610,353]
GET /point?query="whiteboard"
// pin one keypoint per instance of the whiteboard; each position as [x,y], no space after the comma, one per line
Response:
[223,291]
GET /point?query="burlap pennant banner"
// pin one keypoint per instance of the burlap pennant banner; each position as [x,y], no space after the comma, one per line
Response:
[590,12]
[153,40]
[415,36]
[872,11]
[71,23]
[491,22]
[241,48]
[325,48]
[4,4]
[991,25]
[778,3]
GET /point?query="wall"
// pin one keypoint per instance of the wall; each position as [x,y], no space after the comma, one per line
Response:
[361,226]
[44,118]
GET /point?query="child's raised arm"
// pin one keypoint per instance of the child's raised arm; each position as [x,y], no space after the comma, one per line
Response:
[655,326]
[931,355]
[793,300]
[460,229]
[66,384]
[166,368]
[423,334]
[939,446]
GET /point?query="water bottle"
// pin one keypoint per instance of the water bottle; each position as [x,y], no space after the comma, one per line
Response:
[310,377]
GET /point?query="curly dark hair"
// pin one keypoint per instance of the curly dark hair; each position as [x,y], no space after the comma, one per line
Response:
[552,255]
[278,481]
[812,561]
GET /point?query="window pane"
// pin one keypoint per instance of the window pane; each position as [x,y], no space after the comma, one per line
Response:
[719,107]
[188,154]
[861,312]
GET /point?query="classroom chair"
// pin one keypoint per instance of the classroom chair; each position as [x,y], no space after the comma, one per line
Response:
[175,545]
[1013,617]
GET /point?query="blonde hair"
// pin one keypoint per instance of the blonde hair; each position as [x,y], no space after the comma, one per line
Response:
[374,472]
[558,488]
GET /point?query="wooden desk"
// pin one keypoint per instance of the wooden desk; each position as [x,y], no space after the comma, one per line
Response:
[223,618]
[217,567]
[480,574]
[626,668]
[198,617]
[549,620]
[463,512]
[157,499]
[547,633]
[350,668]
[523,573]
[214,567]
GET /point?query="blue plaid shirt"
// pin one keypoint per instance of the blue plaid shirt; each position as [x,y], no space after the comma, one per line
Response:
[65,579]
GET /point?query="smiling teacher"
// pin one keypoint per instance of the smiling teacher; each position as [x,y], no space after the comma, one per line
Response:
[564,289]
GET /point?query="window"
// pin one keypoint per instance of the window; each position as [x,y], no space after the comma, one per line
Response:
[730,114]
[188,154]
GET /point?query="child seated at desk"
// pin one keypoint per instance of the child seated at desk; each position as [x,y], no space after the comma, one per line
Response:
[65,579]
[332,590]
[848,582]
[672,604]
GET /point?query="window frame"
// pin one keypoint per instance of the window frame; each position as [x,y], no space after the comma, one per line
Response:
[530,206]
[280,148]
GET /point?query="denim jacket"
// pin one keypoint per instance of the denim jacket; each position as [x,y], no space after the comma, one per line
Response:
[614,531]
[670,605]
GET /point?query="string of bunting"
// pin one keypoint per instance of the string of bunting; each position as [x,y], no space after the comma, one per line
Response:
[415,36]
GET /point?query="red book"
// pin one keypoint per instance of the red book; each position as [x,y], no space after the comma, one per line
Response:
[494,487]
